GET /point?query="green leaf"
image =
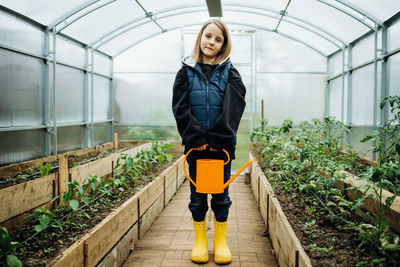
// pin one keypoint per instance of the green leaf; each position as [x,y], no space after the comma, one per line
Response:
[74,204]
[85,199]
[169,157]
[366,138]
[44,221]
[13,261]
[59,224]
[80,189]
[38,228]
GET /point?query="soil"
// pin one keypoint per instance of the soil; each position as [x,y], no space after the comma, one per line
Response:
[43,247]
[73,160]
[328,242]
[322,235]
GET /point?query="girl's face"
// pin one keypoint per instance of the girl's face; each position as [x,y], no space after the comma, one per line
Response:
[211,42]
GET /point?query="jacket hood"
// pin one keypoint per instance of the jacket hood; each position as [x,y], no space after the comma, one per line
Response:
[189,61]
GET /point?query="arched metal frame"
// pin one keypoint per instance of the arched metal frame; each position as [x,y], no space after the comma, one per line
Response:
[227,22]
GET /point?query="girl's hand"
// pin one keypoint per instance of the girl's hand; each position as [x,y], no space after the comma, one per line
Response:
[201,148]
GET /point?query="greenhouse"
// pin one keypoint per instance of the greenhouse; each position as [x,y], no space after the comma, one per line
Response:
[285,112]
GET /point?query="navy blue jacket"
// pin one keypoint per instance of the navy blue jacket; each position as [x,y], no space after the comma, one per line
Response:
[226,105]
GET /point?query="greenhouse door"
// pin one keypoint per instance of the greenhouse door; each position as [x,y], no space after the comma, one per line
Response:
[242,57]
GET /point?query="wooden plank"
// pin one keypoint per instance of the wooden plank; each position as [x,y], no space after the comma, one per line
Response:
[283,238]
[63,176]
[170,174]
[72,257]
[149,194]
[372,205]
[151,214]
[115,141]
[101,167]
[107,233]
[25,196]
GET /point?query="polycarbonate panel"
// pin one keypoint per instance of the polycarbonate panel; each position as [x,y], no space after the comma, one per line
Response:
[276,53]
[362,106]
[69,94]
[394,78]
[104,20]
[70,52]
[101,101]
[136,59]
[335,98]
[15,33]
[102,64]
[357,134]
[20,146]
[156,5]
[393,37]
[363,51]
[286,96]
[127,39]
[102,133]
[383,10]
[69,138]
[328,18]
[241,48]
[308,37]
[21,90]
[335,63]
[177,21]
[251,19]
[43,11]
[143,98]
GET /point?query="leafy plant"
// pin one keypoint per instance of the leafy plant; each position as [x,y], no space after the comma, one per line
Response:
[7,249]
[45,169]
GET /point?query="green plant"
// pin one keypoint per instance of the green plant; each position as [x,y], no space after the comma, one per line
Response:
[388,138]
[45,169]
[7,249]
[44,216]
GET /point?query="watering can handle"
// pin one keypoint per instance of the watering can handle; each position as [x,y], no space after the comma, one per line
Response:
[184,166]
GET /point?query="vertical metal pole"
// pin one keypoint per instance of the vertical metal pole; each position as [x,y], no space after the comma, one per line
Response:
[342,115]
[327,97]
[46,94]
[54,92]
[349,91]
[342,106]
[254,89]
[375,105]
[385,76]
[86,100]
[111,109]
[92,101]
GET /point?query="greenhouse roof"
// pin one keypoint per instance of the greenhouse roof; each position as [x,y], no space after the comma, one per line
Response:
[113,26]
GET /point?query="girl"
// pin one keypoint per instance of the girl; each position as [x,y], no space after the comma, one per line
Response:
[208,103]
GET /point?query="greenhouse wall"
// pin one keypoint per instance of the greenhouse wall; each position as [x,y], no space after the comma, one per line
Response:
[357,86]
[50,116]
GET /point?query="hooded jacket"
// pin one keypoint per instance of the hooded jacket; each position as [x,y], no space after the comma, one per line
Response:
[224,120]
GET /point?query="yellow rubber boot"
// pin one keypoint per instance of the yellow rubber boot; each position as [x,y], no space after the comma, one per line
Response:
[200,247]
[222,253]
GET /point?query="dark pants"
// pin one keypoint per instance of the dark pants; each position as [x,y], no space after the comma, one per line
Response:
[220,203]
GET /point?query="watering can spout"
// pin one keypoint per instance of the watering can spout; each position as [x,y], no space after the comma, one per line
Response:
[237,173]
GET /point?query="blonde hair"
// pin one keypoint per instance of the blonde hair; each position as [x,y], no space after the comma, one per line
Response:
[225,48]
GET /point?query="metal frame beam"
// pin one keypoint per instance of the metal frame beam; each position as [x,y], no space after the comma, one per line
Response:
[232,23]
[117,31]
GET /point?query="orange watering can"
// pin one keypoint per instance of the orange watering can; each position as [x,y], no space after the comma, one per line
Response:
[210,174]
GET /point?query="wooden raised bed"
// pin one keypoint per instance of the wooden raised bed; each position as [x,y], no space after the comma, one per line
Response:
[110,242]
[287,246]
[372,205]
[17,200]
